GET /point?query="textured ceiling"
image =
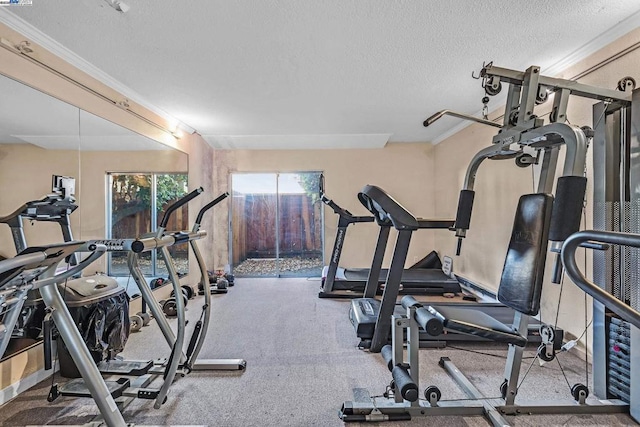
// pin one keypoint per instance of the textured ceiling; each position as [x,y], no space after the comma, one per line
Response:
[245,72]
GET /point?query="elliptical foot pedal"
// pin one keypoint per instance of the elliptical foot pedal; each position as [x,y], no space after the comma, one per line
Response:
[125,367]
[78,388]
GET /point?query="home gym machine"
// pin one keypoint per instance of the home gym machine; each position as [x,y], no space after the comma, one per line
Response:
[521,281]
[425,277]
[522,275]
[104,392]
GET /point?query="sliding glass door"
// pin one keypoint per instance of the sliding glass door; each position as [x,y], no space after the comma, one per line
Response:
[137,203]
[276,224]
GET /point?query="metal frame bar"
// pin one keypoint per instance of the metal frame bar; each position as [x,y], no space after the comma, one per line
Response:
[371,287]
[208,364]
[517,78]
[394,408]
[391,291]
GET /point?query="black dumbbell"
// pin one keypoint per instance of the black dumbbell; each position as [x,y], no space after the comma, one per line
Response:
[169,307]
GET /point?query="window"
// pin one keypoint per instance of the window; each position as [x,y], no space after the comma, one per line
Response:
[276,224]
[137,203]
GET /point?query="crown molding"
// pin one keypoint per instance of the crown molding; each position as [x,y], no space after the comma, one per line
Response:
[22,27]
[625,26]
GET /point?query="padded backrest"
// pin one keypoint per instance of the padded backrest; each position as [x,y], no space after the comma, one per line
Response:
[521,281]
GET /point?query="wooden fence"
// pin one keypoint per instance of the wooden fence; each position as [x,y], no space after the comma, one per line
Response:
[254,226]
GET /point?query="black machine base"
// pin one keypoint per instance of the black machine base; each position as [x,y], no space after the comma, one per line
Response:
[364,313]
[417,281]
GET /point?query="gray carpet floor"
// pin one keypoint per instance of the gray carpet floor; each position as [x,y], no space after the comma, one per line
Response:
[302,363]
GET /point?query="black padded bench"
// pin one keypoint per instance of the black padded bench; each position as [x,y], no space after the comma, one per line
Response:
[522,276]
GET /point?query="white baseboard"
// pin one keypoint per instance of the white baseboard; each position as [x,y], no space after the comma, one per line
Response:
[23,385]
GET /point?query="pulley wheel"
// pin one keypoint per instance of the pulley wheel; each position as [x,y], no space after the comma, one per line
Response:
[579,390]
[432,391]
[542,354]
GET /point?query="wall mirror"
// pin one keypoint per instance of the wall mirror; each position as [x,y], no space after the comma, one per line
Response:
[123,181]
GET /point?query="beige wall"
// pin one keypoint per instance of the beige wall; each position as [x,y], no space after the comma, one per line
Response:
[500,183]
[404,170]
[201,174]
[25,174]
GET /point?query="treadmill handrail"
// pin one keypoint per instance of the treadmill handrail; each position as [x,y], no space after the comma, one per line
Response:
[345,214]
[48,200]
[568,255]
[98,251]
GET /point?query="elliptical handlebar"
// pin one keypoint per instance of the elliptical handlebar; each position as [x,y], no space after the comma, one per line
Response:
[568,256]
[184,200]
[148,243]
[210,205]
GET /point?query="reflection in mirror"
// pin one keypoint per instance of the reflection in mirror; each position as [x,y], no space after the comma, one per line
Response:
[40,137]
[127,182]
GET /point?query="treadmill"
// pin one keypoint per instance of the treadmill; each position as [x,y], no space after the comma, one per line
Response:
[426,277]
[371,317]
